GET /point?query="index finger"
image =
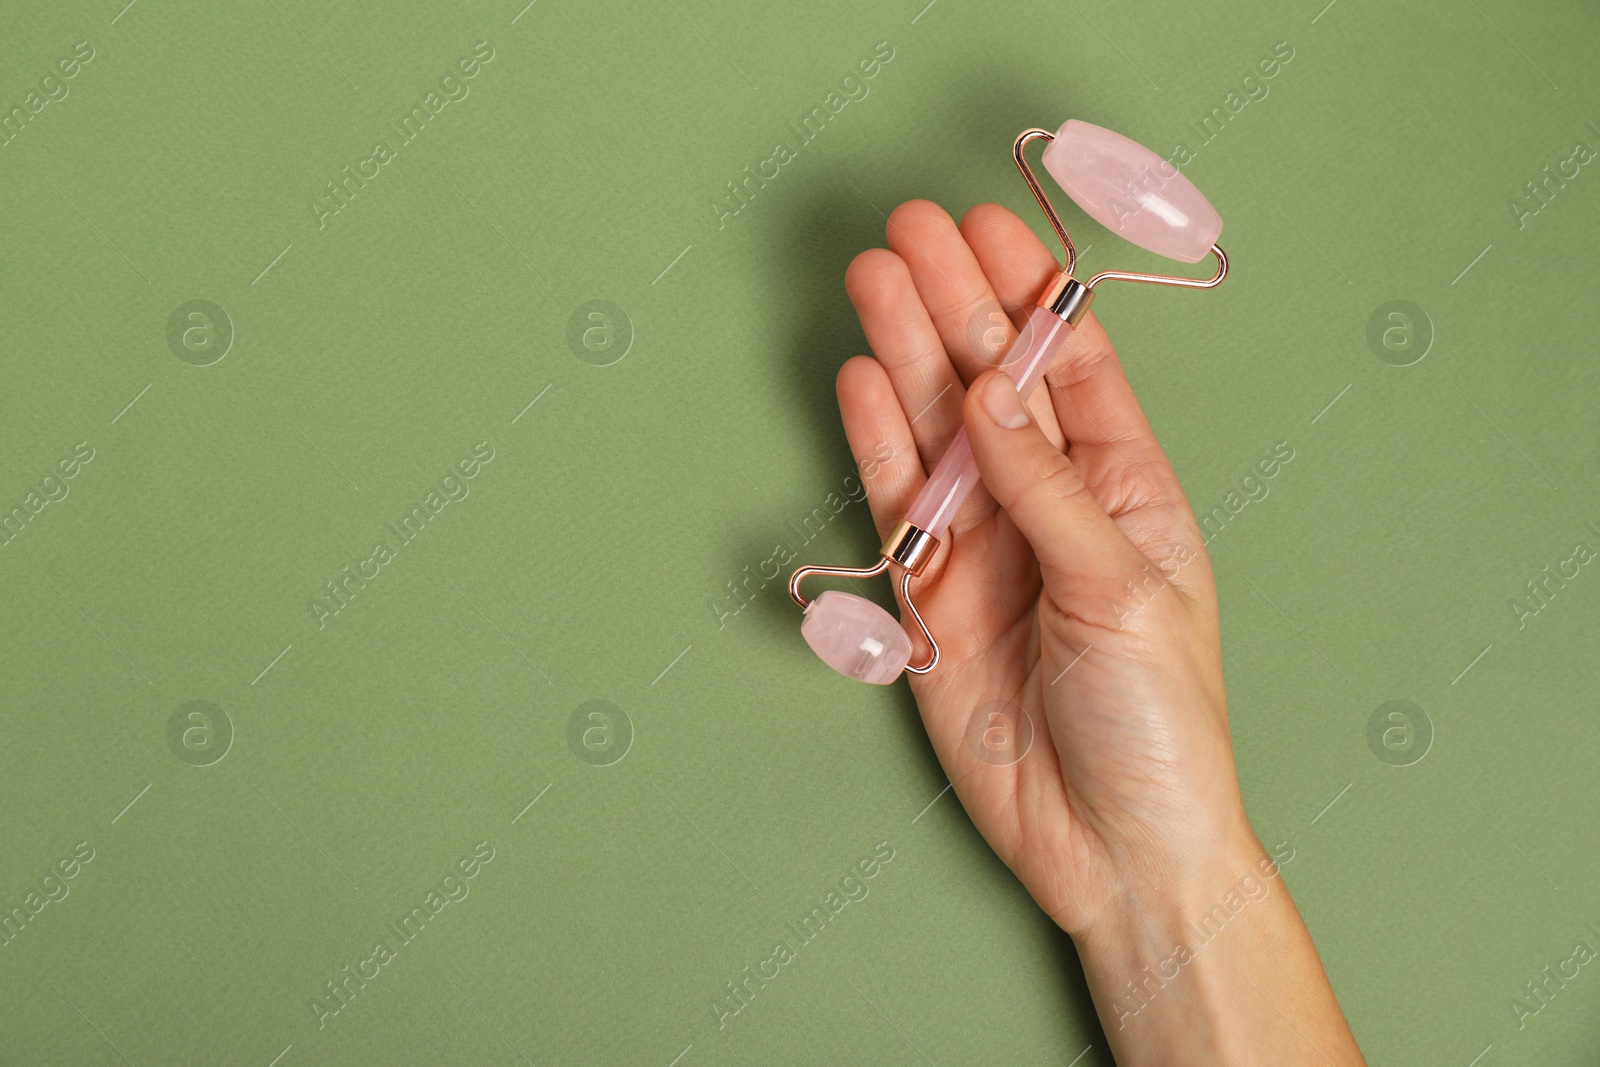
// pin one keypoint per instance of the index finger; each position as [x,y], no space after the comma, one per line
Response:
[1108,438]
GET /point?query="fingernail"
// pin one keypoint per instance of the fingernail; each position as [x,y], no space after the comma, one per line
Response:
[1002,404]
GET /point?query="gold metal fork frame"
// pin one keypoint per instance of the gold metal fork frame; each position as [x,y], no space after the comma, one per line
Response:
[910,548]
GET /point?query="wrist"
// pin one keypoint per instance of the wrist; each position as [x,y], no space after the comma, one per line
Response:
[1161,899]
[1175,875]
[1164,958]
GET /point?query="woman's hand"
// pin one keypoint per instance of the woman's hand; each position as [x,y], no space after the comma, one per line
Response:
[1072,601]
[1078,705]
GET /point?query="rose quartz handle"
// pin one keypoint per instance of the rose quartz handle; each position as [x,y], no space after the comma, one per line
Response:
[1026,361]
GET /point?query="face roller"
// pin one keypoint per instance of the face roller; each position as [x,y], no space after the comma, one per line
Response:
[1134,193]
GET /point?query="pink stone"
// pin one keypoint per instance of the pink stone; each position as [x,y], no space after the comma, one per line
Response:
[856,637]
[1027,360]
[1132,192]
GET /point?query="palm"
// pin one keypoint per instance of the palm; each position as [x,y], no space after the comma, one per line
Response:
[1064,719]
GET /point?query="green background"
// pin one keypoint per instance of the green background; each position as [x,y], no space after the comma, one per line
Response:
[592,558]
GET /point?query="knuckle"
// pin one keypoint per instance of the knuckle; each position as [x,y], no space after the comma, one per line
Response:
[1078,363]
[914,362]
[1138,483]
[966,300]
[884,461]
[1051,482]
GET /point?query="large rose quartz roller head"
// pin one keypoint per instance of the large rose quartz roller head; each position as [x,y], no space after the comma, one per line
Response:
[1131,191]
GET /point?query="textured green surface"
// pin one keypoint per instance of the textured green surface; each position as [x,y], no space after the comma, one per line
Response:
[590,558]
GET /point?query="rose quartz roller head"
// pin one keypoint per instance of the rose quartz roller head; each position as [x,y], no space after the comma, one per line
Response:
[1131,191]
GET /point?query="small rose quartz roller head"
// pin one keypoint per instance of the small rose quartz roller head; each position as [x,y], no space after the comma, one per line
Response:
[1134,193]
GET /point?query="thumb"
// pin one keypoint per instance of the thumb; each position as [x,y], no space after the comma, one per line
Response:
[1037,485]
